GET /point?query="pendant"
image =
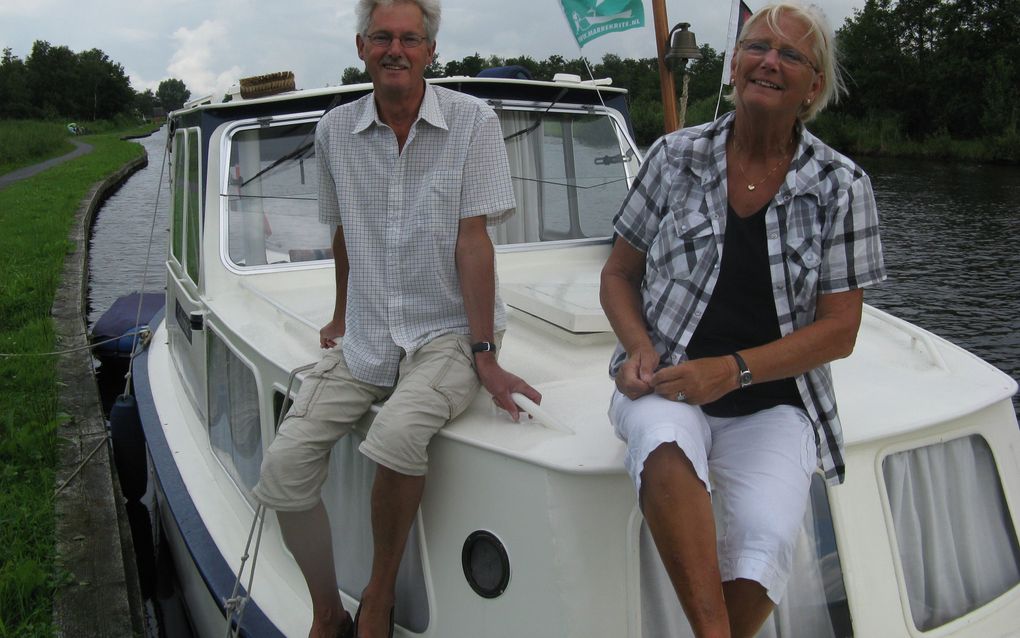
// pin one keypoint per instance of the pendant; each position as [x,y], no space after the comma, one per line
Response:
[750,187]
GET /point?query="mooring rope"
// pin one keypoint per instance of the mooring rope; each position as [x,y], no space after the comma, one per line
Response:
[148,253]
[237,602]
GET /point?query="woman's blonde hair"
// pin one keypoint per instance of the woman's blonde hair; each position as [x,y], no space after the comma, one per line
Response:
[823,46]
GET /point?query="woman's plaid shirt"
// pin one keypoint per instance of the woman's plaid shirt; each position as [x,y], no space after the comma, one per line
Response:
[822,237]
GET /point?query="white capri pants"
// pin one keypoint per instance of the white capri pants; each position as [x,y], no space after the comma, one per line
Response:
[759,466]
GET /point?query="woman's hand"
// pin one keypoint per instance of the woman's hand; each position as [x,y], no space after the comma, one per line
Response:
[634,379]
[701,380]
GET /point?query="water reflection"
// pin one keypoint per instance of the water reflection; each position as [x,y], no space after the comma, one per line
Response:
[121,231]
[947,230]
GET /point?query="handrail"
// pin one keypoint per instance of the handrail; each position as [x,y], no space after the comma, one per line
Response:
[540,415]
[916,334]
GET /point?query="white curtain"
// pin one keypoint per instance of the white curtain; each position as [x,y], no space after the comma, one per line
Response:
[524,153]
[958,548]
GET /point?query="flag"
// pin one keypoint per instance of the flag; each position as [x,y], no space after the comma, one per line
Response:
[739,13]
[589,19]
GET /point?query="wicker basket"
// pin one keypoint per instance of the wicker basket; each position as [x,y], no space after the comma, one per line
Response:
[270,84]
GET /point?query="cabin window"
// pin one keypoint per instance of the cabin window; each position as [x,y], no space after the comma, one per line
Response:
[815,602]
[957,545]
[570,174]
[193,225]
[234,424]
[179,197]
[272,197]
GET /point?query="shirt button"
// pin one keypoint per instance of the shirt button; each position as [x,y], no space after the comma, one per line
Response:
[773,235]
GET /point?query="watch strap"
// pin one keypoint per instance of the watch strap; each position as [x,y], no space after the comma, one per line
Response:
[744,376]
[483,346]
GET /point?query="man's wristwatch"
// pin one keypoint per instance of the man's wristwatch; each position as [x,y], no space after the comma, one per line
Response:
[744,376]
[483,346]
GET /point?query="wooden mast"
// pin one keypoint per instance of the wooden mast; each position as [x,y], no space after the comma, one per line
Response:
[669,111]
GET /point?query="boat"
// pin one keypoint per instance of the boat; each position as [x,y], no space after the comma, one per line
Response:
[532,528]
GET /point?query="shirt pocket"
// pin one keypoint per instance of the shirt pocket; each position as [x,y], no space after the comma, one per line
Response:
[440,199]
[803,264]
[685,244]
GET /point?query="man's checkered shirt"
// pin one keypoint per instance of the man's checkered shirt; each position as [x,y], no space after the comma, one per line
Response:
[400,213]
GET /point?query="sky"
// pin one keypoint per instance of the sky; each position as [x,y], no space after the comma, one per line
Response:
[211,44]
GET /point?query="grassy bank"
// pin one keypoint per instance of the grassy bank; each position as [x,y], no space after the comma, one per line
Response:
[35,217]
[883,136]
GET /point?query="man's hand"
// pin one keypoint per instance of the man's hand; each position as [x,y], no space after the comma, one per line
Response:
[330,332]
[634,378]
[501,384]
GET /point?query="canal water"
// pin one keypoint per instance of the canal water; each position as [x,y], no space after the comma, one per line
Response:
[947,230]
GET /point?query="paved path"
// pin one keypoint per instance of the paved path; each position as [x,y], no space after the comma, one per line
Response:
[22,173]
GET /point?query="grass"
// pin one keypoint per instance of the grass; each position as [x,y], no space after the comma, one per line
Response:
[883,136]
[35,218]
[24,142]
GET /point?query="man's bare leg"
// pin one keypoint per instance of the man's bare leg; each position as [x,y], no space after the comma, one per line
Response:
[307,535]
[749,606]
[395,501]
[678,511]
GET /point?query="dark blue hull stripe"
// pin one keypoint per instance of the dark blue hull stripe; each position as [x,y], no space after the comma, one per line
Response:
[218,577]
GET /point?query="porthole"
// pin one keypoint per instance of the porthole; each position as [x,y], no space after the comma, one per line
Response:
[486,564]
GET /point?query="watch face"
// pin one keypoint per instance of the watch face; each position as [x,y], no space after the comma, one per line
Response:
[745,378]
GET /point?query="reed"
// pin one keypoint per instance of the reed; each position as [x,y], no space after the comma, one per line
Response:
[35,218]
[24,142]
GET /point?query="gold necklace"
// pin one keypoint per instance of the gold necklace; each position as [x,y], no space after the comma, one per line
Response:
[752,186]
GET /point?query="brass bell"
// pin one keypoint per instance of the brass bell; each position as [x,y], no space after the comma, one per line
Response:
[682,45]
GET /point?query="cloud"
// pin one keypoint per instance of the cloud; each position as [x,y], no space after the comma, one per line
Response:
[198,56]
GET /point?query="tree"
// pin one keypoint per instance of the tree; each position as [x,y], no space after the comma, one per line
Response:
[354,75]
[144,103]
[172,94]
[52,80]
[103,90]
[15,99]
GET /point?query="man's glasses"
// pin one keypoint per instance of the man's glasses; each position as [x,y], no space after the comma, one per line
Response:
[408,41]
[787,55]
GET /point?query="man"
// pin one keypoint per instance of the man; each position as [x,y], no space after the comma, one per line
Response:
[409,174]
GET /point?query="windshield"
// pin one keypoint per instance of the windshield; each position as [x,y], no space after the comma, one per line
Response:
[570,173]
[570,176]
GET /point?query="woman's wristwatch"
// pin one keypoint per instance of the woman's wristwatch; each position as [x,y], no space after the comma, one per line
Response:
[744,377]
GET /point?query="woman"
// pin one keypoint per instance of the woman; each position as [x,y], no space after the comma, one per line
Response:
[743,249]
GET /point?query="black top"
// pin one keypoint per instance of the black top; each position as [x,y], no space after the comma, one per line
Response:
[742,314]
